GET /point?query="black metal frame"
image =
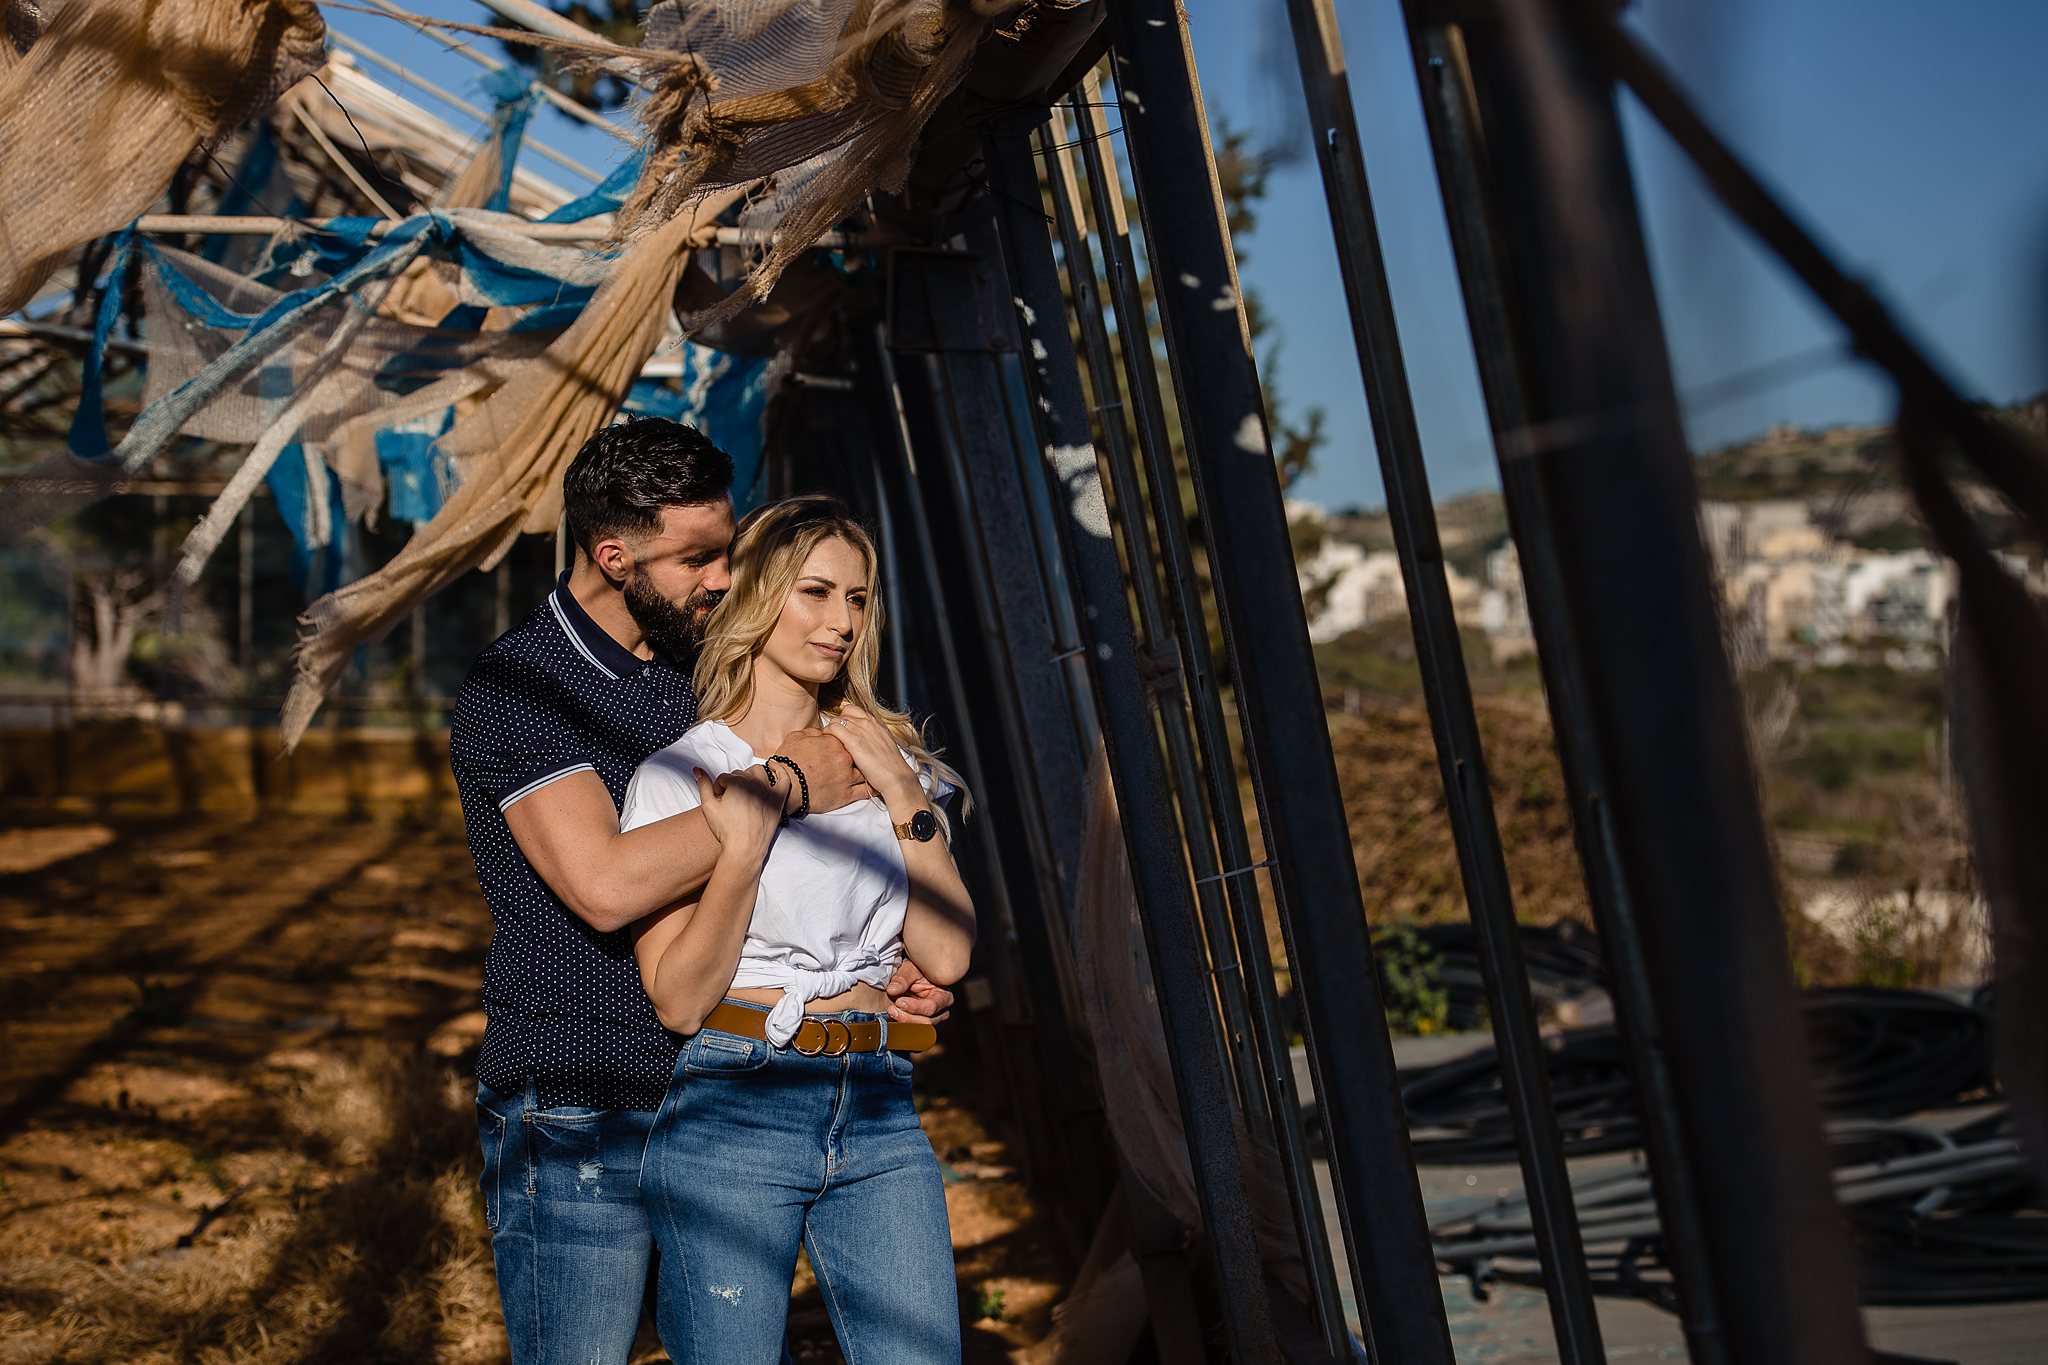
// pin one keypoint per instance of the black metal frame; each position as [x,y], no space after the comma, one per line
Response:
[1602,509]
[1173,927]
[1208,793]
[1412,515]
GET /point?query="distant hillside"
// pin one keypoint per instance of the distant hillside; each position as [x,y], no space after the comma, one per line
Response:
[1853,470]
[1470,527]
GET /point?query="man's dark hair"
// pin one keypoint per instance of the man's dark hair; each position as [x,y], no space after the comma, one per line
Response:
[625,474]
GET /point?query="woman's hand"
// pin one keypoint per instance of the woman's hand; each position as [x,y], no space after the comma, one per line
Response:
[876,754]
[741,808]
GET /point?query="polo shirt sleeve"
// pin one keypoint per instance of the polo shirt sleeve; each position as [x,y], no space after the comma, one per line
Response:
[662,786]
[511,732]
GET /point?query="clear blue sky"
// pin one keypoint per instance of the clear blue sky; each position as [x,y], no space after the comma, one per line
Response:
[1913,135]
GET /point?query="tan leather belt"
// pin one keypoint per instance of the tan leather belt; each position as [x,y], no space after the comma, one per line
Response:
[821,1035]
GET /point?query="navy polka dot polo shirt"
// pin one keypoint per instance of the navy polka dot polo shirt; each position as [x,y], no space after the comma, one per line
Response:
[555,695]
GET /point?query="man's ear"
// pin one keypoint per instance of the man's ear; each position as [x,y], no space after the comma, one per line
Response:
[614,558]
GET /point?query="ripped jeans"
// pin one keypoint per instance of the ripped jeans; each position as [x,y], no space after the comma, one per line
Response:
[759,1150]
[568,1231]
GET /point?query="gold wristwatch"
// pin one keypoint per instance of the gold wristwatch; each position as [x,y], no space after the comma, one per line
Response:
[921,826]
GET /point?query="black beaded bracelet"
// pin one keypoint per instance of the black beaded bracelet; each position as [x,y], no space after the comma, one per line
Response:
[803,787]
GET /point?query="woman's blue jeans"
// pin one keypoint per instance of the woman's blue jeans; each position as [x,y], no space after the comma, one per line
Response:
[758,1151]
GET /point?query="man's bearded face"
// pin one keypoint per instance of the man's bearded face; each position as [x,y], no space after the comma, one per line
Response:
[674,629]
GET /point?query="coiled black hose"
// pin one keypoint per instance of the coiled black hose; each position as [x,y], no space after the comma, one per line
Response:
[1939,1215]
[1876,1054]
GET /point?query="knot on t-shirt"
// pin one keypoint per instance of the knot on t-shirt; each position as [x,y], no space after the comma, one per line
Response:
[802,986]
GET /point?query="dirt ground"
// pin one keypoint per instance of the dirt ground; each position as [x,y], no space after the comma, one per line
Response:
[236,1117]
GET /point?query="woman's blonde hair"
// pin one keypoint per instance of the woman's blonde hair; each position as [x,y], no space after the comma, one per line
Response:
[768,558]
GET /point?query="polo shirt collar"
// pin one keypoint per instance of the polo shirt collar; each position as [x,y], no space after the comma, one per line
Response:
[607,655]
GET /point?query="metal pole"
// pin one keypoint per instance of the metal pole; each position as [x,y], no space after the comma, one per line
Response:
[1158,868]
[1279,700]
[1039,760]
[245,595]
[1039,731]
[1603,440]
[892,584]
[1275,1066]
[501,606]
[1525,1078]
[1155,637]
[970,750]
[1452,116]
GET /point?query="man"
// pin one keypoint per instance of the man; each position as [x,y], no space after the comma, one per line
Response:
[547,730]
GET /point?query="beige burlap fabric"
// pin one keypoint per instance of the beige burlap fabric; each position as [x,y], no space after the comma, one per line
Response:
[840,88]
[829,94]
[111,98]
[797,109]
[512,451]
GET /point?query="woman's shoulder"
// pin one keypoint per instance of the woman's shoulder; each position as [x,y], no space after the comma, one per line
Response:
[708,744]
[712,743]
[665,782]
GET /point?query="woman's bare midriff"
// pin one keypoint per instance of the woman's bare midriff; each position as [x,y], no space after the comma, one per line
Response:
[863,997]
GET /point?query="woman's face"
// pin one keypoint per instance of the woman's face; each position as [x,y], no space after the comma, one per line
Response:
[823,616]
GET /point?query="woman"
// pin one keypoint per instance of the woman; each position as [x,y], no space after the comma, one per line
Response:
[788,1122]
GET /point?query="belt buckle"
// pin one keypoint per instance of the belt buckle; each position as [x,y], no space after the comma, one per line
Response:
[796,1041]
[837,1045]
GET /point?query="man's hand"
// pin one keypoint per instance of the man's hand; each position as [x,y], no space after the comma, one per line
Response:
[912,999]
[828,769]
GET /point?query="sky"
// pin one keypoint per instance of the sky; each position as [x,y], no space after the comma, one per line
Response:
[1912,136]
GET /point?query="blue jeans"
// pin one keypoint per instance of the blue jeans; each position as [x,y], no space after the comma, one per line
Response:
[758,1150]
[568,1230]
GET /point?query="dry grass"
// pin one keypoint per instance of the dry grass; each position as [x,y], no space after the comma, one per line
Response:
[234,1124]
[235,1107]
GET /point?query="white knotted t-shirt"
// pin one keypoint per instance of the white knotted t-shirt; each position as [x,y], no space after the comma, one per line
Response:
[829,912]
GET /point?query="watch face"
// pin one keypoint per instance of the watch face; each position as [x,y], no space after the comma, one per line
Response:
[923,826]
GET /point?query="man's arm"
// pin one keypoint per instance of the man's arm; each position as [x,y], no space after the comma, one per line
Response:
[569,831]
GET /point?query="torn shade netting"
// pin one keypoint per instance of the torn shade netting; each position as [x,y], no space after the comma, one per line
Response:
[775,115]
[109,99]
[797,135]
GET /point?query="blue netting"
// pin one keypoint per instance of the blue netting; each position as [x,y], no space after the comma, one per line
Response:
[318,568]
[725,397]
[417,473]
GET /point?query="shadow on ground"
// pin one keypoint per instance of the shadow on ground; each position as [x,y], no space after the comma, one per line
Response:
[236,1116]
